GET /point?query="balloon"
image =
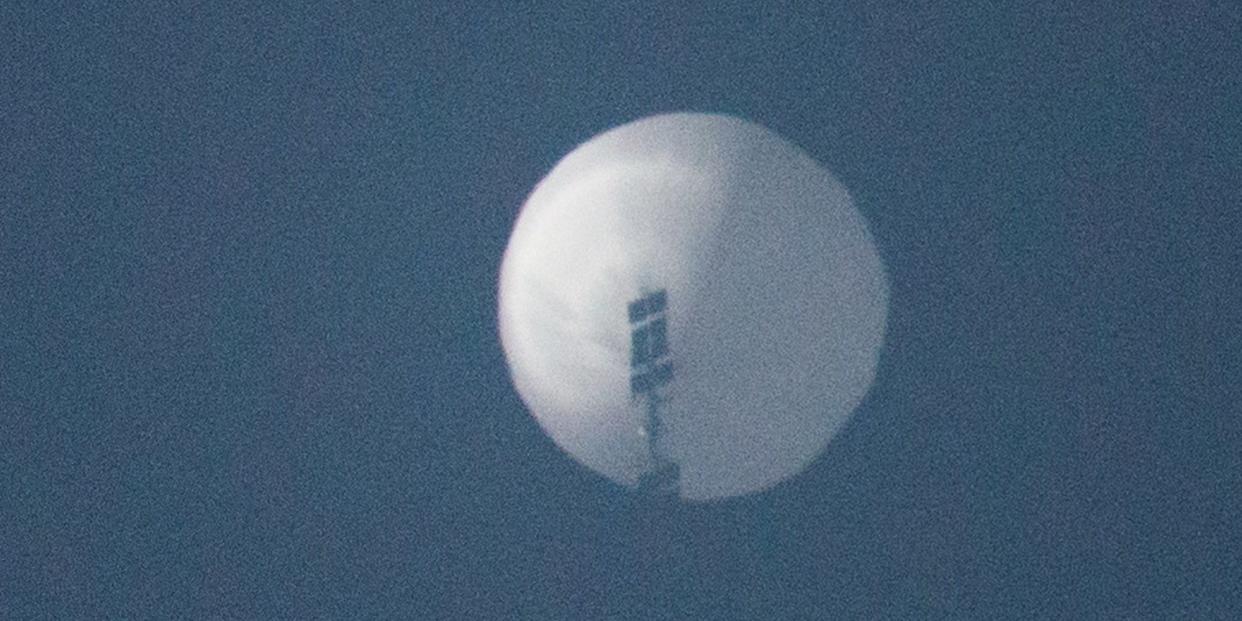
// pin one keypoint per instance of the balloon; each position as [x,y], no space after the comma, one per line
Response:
[690,303]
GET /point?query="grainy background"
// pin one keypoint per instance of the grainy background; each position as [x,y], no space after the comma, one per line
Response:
[249,364]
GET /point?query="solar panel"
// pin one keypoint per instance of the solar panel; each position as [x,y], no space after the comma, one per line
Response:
[648,305]
[649,343]
[649,380]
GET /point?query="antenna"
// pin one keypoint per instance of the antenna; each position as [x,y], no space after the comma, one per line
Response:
[650,371]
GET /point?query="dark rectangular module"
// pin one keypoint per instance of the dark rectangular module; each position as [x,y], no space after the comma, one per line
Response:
[648,305]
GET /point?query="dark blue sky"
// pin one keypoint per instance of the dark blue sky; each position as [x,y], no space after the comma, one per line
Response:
[249,364]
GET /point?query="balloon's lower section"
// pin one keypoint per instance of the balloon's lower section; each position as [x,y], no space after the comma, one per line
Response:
[769,319]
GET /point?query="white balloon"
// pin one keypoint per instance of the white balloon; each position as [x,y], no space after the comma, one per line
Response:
[776,303]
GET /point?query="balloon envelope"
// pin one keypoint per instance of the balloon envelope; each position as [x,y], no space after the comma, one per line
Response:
[772,303]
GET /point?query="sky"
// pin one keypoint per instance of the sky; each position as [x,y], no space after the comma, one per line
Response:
[249,364]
